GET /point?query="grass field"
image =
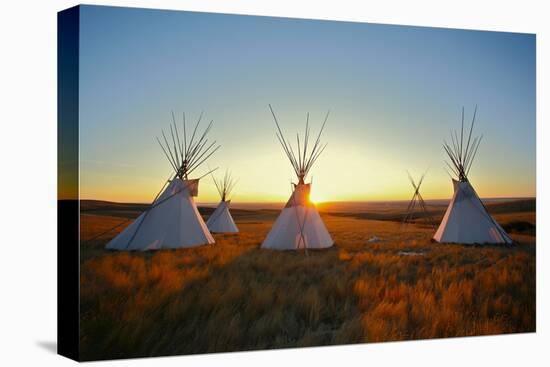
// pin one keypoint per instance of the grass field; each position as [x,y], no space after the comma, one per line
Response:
[234,296]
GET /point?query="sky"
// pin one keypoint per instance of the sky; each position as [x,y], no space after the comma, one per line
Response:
[394,93]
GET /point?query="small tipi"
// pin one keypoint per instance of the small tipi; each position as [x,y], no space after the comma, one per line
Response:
[221,221]
[172,220]
[466,220]
[299,226]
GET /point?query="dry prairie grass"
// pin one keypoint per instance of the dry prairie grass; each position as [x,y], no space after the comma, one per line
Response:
[233,296]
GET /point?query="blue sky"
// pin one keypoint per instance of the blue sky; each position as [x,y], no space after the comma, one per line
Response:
[394,93]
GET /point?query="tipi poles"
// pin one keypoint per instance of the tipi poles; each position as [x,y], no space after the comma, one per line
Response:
[224,186]
[284,144]
[306,138]
[176,163]
[316,151]
[412,203]
[195,166]
[107,231]
[408,211]
[425,208]
[300,225]
[208,173]
[462,155]
[420,198]
[168,157]
[416,197]
[180,144]
[187,155]
[218,186]
[301,160]
[303,227]
[471,127]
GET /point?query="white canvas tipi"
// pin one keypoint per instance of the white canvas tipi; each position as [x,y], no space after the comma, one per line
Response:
[221,221]
[172,220]
[466,220]
[299,226]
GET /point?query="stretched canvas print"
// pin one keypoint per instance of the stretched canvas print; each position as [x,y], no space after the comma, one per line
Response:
[234,183]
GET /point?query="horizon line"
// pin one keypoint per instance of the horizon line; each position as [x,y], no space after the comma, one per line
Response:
[317,203]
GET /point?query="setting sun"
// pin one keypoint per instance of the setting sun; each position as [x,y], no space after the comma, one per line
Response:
[315,199]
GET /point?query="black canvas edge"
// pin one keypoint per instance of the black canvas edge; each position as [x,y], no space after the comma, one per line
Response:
[68,251]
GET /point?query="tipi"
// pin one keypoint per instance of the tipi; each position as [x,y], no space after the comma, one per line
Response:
[417,200]
[299,225]
[172,220]
[220,221]
[466,220]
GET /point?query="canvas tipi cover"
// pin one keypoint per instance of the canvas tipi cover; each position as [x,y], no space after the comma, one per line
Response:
[467,221]
[221,221]
[173,221]
[299,226]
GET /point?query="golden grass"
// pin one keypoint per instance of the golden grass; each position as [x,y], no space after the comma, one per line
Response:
[233,296]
